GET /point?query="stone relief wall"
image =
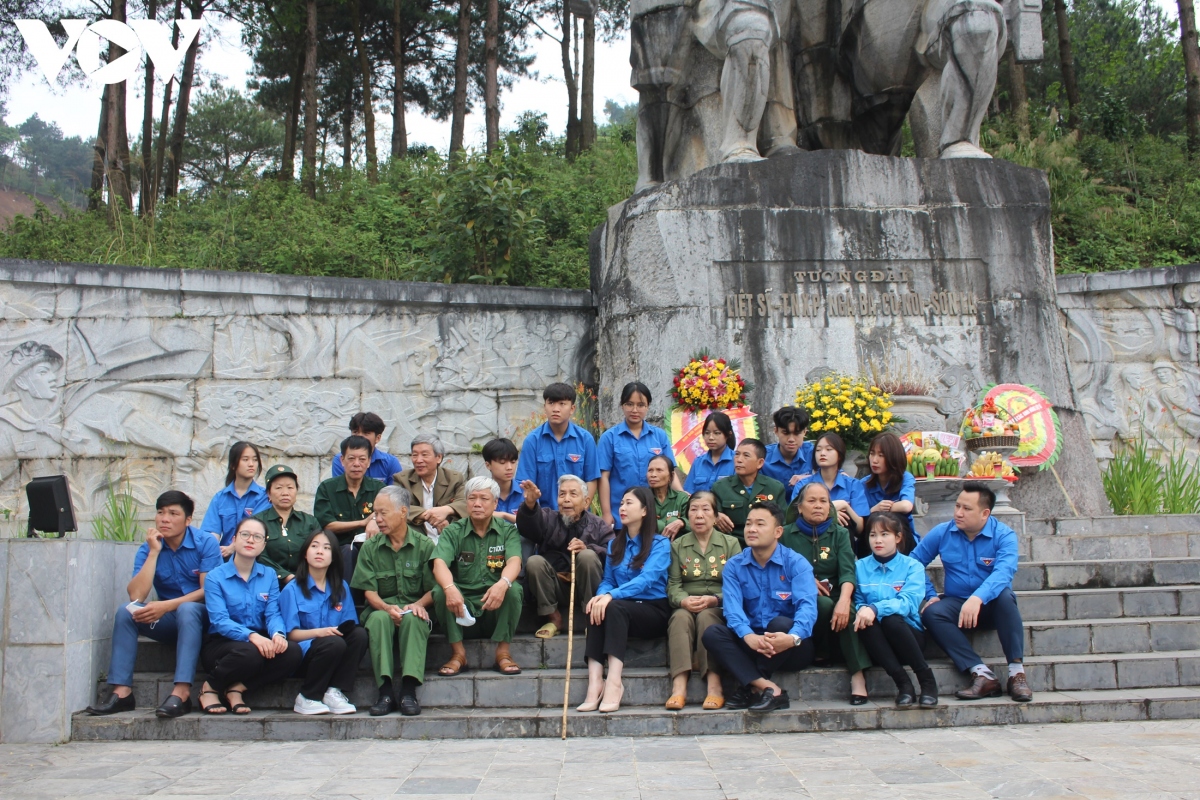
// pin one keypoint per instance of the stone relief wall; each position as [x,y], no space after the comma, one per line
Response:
[113,373]
[1132,342]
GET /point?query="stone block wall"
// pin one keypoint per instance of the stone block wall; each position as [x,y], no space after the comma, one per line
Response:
[1132,347]
[59,597]
[149,375]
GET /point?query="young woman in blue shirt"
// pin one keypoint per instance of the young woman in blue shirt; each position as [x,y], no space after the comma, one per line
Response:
[625,451]
[889,589]
[319,614]
[889,486]
[630,601]
[241,497]
[720,441]
[247,645]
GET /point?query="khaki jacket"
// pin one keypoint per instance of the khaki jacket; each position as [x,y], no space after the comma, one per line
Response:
[449,489]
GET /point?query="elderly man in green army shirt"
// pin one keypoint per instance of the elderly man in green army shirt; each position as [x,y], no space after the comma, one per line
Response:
[818,537]
[745,487]
[394,573]
[475,565]
[345,504]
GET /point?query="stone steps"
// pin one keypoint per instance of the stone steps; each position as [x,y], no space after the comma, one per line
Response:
[1080,604]
[650,686]
[803,716]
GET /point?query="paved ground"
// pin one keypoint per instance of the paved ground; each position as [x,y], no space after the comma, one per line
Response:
[1132,761]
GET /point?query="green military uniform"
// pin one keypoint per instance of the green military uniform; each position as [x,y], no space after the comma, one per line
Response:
[695,572]
[399,577]
[284,543]
[734,499]
[476,563]
[672,508]
[334,503]
[832,559]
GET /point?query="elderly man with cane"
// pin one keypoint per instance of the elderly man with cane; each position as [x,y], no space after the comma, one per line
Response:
[556,535]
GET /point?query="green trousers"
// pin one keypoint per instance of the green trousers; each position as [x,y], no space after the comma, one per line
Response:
[853,652]
[409,640]
[500,624]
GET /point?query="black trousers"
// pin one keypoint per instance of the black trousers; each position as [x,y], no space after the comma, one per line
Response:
[333,661]
[641,619]
[228,662]
[892,642]
[732,654]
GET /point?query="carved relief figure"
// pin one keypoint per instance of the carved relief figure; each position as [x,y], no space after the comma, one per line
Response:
[31,418]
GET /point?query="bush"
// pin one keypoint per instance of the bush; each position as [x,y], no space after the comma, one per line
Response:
[1143,480]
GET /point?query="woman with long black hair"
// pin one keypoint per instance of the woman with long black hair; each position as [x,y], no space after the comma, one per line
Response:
[630,601]
[241,497]
[319,615]
[625,451]
[890,487]
[720,441]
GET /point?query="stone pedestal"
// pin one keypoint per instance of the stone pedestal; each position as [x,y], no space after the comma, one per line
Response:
[58,597]
[833,260]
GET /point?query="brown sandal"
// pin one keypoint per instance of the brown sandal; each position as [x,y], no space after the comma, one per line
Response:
[676,702]
[712,703]
[506,666]
[455,665]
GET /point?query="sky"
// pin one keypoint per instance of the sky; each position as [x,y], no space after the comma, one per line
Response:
[75,108]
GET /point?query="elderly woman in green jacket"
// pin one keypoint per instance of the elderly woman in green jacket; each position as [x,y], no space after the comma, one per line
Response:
[817,536]
[669,503]
[694,591]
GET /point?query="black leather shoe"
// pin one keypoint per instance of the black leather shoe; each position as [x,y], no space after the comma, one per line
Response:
[385,705]
[928,701]
[173,707]
[740,698]
[929,689]
[409,706]
[858,699]
[114,705]
[771,701]
[905,700]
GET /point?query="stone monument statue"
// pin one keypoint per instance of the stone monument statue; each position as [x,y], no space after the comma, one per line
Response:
[861,68]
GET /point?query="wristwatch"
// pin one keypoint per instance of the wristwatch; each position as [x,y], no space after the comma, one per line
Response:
[796,640]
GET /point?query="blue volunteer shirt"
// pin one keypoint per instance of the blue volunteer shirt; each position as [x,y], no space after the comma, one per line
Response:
[625,457]
[755,595]
[227,509]
[511,503]
[305,613]
[177,572]
[624,582]
[543,459]
[908,491]
[895,587]
[705,473]
[383,466]
[844,488]
[237,608]
[983,567]
[782,470]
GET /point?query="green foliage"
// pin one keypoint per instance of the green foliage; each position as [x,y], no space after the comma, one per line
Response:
[231,140]
[1142,480]
[35,157]
[521,216]
[118,522]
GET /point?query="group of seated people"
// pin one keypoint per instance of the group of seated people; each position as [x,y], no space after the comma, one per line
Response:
[766,559]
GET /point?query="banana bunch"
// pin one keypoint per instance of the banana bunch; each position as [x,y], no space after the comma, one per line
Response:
[985,466]
[944,465]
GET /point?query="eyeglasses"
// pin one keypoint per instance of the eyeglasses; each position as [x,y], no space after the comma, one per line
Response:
[245,536]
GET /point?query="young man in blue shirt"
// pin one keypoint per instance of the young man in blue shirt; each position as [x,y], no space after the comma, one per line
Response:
[979,556]
[770,603]
[174,560]
[790,456]
[383,465]
[558,446]
[500,457]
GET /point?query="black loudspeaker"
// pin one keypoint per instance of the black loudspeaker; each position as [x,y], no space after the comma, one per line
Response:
[50,508]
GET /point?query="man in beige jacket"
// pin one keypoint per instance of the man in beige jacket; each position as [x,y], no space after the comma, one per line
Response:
[439,494]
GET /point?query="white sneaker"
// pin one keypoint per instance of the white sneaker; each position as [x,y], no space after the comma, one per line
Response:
[336,702]
[309,707]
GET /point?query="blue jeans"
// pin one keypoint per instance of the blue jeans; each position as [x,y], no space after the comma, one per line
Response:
[1001,615]
[185,626]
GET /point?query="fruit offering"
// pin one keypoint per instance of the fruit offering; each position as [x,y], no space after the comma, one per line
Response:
[988,425]
[933,463]
[992,466]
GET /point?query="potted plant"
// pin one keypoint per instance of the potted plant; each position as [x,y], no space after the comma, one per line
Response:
[912,387]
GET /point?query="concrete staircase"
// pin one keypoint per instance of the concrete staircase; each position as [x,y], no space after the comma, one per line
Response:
[1111,632]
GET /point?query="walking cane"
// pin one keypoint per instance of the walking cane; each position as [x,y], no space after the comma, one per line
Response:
[570,646]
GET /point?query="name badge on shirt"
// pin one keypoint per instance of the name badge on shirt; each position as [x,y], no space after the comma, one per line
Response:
[264,595]
[574,457]
[656,450]
[783,595]
[987,562]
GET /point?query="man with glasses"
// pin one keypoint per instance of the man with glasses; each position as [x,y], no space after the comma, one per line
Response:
[173,561]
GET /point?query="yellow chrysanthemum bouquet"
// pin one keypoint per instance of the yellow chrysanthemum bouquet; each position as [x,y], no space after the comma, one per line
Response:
[849,406]
[706,383]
